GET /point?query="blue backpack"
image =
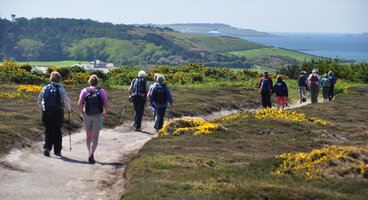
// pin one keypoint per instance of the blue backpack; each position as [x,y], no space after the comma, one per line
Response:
[266,85]
[281,89]
[52,98]
[159,94]
[139,87]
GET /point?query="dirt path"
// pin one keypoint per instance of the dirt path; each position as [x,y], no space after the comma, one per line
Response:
[28,174]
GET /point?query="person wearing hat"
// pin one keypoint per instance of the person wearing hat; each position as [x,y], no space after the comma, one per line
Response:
[302,86]
[314,80]
[265,85]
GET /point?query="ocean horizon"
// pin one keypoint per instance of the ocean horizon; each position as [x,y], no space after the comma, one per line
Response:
[330,45]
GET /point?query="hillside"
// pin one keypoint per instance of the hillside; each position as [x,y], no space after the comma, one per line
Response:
[216,29]
[45,39]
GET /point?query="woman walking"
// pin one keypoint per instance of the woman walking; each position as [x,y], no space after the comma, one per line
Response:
[53,99]
[93,107]
[281,91]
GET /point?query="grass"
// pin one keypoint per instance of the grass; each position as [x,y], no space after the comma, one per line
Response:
[212,44]
[237,163]
[269,51]
[63,63]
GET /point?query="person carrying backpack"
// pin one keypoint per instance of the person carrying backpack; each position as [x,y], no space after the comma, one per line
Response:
[93,107]
[302,86]
[332,79]
[326,84]
[150,92]
[53,100]
[138,90]
[265,86]
[314,80]
[160,96]
[281,91]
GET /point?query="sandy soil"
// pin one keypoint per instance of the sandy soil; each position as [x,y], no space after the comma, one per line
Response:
[28,174]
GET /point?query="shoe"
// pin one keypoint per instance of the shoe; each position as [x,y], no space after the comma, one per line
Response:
[46,152]
[58,154]
[91,159]
[138,129]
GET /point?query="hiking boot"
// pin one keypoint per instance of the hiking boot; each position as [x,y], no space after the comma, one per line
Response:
[91,159]
[46,152]
[58,154]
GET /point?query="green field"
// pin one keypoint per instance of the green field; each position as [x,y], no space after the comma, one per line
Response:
[63,63]
[269,51]
[212,44]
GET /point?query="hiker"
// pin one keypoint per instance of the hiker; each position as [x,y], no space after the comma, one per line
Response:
[302,86]
[93,107]
[53,99]
[265,85]
[326,84]
[314,80]
[332,79]
[138,90]
[281,91]
[150,92]
[160,96]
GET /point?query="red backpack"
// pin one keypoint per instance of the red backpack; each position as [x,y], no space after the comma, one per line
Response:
[314,78]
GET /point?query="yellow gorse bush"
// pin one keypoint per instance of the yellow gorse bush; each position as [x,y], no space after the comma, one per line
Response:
[188,126]
[232,117]
[328,162]
[12,95]
[29,88]
[289,115]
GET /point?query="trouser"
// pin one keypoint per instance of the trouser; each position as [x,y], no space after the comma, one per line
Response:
[314,90]
[53,122]
[302,92]
[160,115]
[331,93]
[266,99]
[138,103]
[326,92]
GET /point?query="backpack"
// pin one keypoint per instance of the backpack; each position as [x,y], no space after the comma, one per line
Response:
[302,81]
[332,79]
[52,98]
[266,84]
[94,104]
[159,94]
[326,82]
[280,89]
[139,87]
[314,78]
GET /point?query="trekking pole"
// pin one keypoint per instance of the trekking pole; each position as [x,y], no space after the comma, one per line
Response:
[70,135]
[122,114]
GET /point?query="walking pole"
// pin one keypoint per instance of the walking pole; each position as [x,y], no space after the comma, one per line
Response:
[70,136]
[122,114]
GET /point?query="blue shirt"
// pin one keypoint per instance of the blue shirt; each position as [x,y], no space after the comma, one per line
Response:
[160,105]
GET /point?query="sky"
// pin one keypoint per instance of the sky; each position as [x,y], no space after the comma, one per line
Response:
[320,16]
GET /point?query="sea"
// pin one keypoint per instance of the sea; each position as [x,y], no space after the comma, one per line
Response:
[347,47]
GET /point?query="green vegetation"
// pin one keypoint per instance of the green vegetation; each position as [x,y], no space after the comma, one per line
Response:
[269,51]
[239,163]
[73,39]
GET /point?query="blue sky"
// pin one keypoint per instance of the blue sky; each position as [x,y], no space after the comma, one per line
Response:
[337,16]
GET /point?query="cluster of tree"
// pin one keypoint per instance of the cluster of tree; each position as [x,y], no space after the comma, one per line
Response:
[45,39]
[356,72]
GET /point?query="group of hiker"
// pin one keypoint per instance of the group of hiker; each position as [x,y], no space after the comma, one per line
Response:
[93,103]
[305,83]
[93,106]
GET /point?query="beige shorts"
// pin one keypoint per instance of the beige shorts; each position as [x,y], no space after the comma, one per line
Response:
[92,121]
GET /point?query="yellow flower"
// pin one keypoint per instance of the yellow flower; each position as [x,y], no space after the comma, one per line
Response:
[188,126]
[29,88]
